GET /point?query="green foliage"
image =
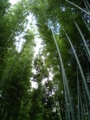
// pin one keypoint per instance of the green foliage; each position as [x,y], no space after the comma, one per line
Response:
[61,93]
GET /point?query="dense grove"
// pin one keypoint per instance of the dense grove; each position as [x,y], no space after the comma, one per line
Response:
[61,67]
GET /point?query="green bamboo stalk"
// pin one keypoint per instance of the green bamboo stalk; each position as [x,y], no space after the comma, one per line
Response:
[16,26]
[23,70]
[88,13]
[66,103]
[86,24]
[88,4]
[86,103]
[79,65]
[6,77]
[82,109]
[81,106]
[9,38]
[64,77]
[84,41]
[78,95]
[87,54]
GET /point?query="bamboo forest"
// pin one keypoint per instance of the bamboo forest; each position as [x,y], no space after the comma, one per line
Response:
[45,60]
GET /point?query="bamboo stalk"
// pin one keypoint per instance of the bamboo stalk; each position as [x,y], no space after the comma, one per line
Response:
[86,103]
[81,106]
[78,89]
[86,24]
[88,4]
[84,41]
[79,65]
[88,13]
[9,71]
[64,78]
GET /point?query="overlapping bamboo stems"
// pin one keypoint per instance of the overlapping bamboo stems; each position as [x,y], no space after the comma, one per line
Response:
[84,41]
[6,77]
[80,68]
[87,114]
[18,22]
[3,112]
[86,5]
[68,101]
[66,104]
[88,13]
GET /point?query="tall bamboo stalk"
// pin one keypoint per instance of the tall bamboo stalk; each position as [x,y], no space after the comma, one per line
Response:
[66,87]
[84,41]
[16,26]
[78,89]
[86,104]
[79,65]
[6,77]
[81,107]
